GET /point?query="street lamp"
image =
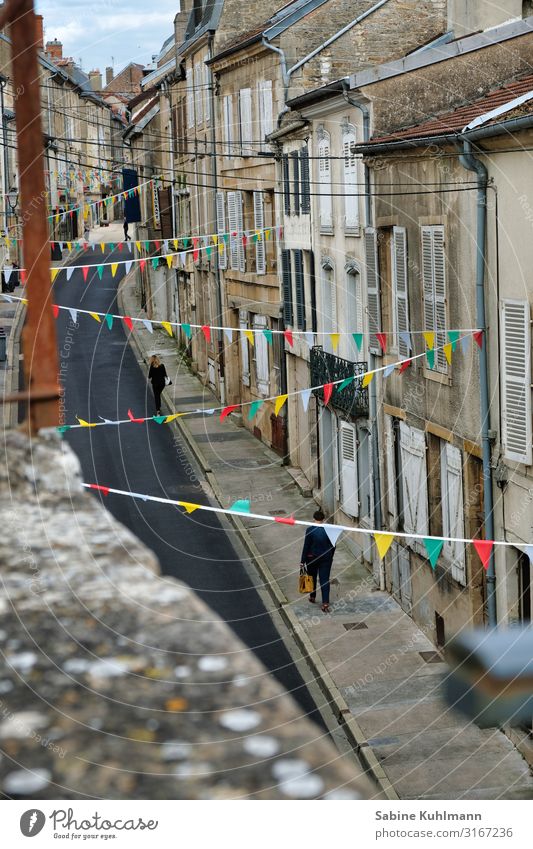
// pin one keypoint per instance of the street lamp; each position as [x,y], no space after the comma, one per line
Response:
[13,200]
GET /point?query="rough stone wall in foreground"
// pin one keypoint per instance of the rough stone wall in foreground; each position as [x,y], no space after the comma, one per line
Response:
[117,683]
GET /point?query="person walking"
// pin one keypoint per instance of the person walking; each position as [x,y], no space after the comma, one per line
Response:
[126,230]
[317,557]
[158,376]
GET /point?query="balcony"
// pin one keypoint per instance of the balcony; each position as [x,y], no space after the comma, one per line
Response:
[327,368]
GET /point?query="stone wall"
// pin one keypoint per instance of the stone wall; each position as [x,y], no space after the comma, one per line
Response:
[111,683]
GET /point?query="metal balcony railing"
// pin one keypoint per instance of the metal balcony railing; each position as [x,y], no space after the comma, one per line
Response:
[328,368]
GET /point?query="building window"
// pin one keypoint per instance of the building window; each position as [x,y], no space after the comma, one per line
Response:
[453,509]
[373,292]
[286,276]
[264,90]
[295,182]
[354,300]
[434,277]
[227,106]
[245,114]
[259,226]
[516,381]
[351,199]
[299,287]
[348,469]
[190,98]
[245,351]
[207,94]
[305,181]
[324,175]
[236,231]
[221,230]
[414,482]
[400,293]
[198,93]
[261,356]
[329,302]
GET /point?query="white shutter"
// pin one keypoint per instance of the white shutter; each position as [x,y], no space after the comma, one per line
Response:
[265,107]
[390,460]
[372,288]
[516,381]
[332,295]
[233,230]
[198,93]
[245,110]
[245,354]
[259,225]
[414,480]
[262,368]
[240,231]
[324,177]
[228,124]
[221,229]
[190,98]
[400,287]
[207,94]
[453,509]
[434,278]
[351,200]
[348,467]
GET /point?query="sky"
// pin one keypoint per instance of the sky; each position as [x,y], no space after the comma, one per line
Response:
[108,32]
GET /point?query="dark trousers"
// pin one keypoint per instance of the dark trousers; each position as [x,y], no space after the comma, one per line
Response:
[321,569]
[157,396]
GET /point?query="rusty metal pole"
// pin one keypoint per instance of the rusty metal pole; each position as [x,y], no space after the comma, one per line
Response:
[39,334]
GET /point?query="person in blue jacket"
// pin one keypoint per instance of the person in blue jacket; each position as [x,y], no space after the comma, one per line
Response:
[317,556]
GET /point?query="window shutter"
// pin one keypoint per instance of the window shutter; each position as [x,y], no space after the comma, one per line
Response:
[198,93]
[516,382]
[287,287]
[245,354]
[190,98]
[305,181]
[400,287]
[241,251]
[221,229]
[259,224]
[286,184]
[348,466]
[265,107]
[207,94]
[324,174]
[453,509]
[414,480]
[262,368]
[333,301]
[245,108]
[299,288]
[373,288]
[434,277]
[296,180]
[351,200]
[233,230]
[390,460]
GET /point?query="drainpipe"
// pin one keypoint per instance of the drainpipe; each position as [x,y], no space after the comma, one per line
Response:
[218,278]
[284,74]
[372,394]
[469,161]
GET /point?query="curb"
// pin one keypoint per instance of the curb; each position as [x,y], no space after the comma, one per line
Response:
[339,706]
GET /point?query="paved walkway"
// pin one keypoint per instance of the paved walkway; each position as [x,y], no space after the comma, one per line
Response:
[369,654]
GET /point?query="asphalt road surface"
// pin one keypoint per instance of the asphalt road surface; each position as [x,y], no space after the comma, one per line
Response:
[101,377]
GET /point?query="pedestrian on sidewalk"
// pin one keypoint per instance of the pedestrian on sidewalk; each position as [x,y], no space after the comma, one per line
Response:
[126,230]
[158,376]
[317,557]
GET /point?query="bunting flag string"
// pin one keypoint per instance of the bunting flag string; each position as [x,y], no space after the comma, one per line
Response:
[107,201]
[382,539]
[278,400]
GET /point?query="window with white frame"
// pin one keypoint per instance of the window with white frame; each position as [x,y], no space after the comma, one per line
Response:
[264,90]
[414,482]
[434,277]
[373,288]
[227,108]
[221,231]
[236,231]
[516,380]
[198,93]
[354,300]
[329,301]
[324,177]
[245,115]
[261,356]
[348,469]
[400,293]
[190,98]
[259,226]
[351,199]
[453,509]
[207,94]
[245,351]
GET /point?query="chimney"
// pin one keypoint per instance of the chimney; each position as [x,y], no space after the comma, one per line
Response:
[108,75]
[95,79]
[54,49]
[181,20]
[39,32]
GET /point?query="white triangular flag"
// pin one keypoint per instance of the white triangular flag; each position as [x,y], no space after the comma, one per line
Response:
[305,395]
[61,246]
[148,325]
[127,265]
[465,342]
[7,298]
[7,274]
[333,533]
[406,339]
[228,333]
[388,371]
[73,315]
[165,247]
[310,339]
[70,272]
[129,246]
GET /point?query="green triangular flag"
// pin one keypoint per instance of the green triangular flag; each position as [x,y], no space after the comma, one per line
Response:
[159,419]
[240,507]
[186,243]
[155,262]
[268,334]
[453,336]
[208,251]
[100,270]
[109,320]
[111,247]
[63,428]
[358,339]
[254,409]
[431,358]
[345,383]
[187,330]
[226,237]
[147,246]
[433,548]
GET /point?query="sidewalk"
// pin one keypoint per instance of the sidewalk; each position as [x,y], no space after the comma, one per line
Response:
[379,671]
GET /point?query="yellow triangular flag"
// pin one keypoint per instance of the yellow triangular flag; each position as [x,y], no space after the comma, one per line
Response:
[84,423]
[280,400]
[24,300]
[367,379]
[53,273]
[57,219]
[169,260]
[173,417]
[429,336]
[215,240]
[114,266]
[69,246]
[383,543]
[448,353]
[221,248]
[267,234]
[250,336]
[335,339]
[168,327]
[175,243]
[190,508]
[95,316]
[102,245]
[138,245]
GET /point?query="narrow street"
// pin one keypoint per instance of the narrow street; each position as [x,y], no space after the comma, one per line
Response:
[101,377]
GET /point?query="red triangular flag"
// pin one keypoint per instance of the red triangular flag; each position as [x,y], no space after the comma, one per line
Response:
[157,245]
[128,322]
[478,338]
[206,330]
[405,365]
[120,246]
[288,337]
[133,419]
[484,549]
[244,240]
[328,389]
[227,410]
[85,271]
[196,252]
[142,264]
[289,520]
[382,339]
[104,489]
[22,276]
[55,308]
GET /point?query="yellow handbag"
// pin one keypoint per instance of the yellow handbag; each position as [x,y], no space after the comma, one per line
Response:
[305,583]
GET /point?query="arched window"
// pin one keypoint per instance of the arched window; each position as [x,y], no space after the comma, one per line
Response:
[328,301]
[324,176]
[351,200]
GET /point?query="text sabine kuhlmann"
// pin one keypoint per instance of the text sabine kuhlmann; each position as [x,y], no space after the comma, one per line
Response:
[425,815]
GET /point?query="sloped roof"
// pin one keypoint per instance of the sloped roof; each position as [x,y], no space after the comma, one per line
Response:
[509,101]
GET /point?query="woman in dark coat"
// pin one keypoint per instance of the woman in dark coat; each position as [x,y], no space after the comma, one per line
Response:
[317,556]
[157,375]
